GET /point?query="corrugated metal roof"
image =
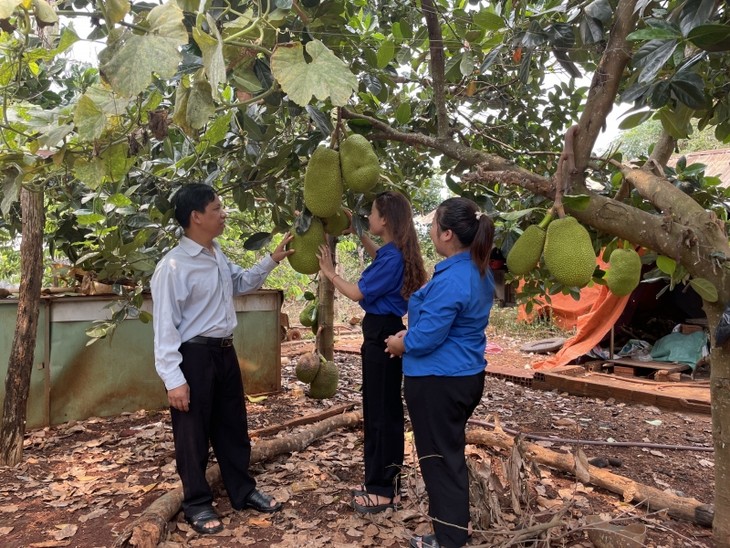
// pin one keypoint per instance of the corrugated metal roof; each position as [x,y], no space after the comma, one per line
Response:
[717,162]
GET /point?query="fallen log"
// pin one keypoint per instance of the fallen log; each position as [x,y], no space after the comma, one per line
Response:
[148,530]
[684,508]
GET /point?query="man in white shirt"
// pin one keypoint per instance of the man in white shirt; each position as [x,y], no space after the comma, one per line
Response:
[194,317]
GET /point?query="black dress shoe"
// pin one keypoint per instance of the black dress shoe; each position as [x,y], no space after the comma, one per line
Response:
[261,502]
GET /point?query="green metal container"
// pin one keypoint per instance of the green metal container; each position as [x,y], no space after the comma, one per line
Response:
[72,381]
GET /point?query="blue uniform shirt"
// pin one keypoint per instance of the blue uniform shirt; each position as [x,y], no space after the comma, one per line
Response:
[447,319]
[382,281]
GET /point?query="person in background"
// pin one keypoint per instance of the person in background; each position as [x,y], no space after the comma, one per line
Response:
[443,362]
[383,290]
[193,320]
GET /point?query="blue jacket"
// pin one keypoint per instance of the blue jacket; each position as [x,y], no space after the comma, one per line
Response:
[447,319]
[381,282]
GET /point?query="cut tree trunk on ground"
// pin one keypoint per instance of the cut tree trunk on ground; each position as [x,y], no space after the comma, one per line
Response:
[148,530]
[688,509]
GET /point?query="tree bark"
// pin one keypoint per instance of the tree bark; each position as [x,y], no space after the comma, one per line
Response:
[436,49]
[148,530]
[326,311]
[20,363]
[688,509]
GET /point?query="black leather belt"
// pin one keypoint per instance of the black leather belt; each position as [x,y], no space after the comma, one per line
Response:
[212,341]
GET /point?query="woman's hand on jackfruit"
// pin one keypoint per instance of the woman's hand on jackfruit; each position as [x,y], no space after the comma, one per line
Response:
[326,266]
[281,253]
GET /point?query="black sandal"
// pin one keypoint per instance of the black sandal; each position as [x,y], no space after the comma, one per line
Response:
[261,502]
[371,506]
[200,520]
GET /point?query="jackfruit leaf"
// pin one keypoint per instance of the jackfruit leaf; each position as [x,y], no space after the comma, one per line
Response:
[182,95]
[10,189]
[87,219]
[403,113]
[656,33]
[711,37]
[89,119]
[144,316]
[487,20]
[385,54]
[666,265]
[704,289]
[654,56]
[256,399]
[129,62]
[577,202]
[676,122]
[321,120]
[257,241]
[633,120]
[325,76]
[7,7]
[44,13]
[112,165]
[516,215]
[212,50]
[600,9]
[215,132]
[689,87]
[115,10]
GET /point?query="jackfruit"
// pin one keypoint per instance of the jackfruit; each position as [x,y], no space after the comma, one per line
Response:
[307,367]
[624,271]
[337,223]
[360,165]
[308,314]
[306,247]
[324,384]
[568,252]
[323,183]
[526,251]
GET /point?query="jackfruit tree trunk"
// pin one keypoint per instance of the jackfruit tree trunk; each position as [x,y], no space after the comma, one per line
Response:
[326,310]
[720,404]
[20,363]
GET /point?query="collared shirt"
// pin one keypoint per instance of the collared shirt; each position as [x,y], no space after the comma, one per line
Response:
[192,294]
[447,319]
[381,282]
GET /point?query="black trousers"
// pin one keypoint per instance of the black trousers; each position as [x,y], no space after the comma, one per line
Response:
[217,416]
[439,408]
[382,405]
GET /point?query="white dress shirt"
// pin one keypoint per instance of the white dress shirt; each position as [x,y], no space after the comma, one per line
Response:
[192,295]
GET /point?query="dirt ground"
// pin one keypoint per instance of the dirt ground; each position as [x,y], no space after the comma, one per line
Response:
[82,483]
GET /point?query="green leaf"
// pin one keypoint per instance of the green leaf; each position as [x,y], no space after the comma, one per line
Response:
[676,122]
[115,10]
[129,62]
[119,200]
[257,241]
[654,56]
[467,64]
[633,120]
[655,34]
[325,76]
[689,87]
[488,20]
[711,37]
[212,50]
[666,265]
[600,10]
[86,219]
[7,7]
[218,129]
[403,113]
[89,119]
[385,54]
[200,105]
[44,13]
[704,289]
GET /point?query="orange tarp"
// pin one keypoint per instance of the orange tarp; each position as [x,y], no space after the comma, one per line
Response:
[564,310]
[592,327]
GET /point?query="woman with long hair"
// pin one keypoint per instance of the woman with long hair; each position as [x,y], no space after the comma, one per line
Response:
[382,291]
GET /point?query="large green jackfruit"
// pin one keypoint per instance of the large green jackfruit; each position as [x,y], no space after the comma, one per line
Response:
[307,367]
[323,183]
[306,246]
[526,251]
[624,271]
[568,252]
[324,384]
[337,223]
[360,165]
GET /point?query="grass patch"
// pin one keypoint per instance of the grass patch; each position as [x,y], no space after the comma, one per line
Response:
[503,321]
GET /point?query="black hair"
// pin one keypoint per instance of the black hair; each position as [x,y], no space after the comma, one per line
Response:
[473,228]
[192,197]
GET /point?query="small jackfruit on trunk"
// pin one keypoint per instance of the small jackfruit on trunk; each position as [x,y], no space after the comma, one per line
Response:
[527,250]
[360,165]
[306,246]
[624,271]
[324,384]
[323,183]
[568,252]
[307,367]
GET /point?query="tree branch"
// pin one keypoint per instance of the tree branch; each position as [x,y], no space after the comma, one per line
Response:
[436,47]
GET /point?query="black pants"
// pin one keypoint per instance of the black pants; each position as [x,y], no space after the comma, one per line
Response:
[217,415]
[382,405]
[439,408]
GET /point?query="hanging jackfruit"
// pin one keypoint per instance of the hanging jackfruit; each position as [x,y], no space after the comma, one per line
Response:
[306,246]
[323,183]
[568,252]
[307,367]
[308,314]
[324,384]
[337,223]
[360,165]
[527,250]
[624,271]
